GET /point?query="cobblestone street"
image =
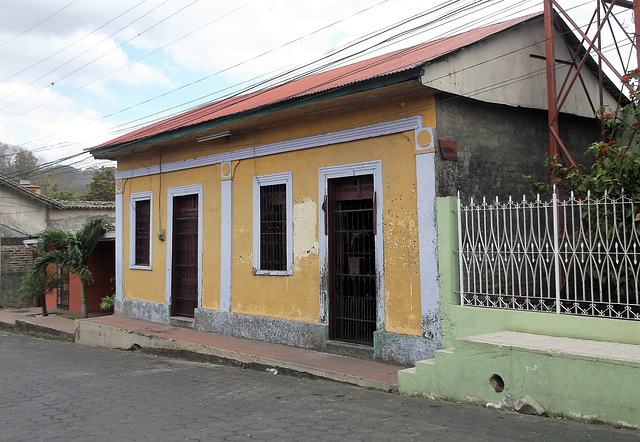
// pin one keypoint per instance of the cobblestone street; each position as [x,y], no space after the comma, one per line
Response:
[61,391]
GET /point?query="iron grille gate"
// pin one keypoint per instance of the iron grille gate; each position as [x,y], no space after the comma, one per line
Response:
[63,288]
[354,277]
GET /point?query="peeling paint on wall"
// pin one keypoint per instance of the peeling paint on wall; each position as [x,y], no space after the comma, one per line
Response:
[305,241]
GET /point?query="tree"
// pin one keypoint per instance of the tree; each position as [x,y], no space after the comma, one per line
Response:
[7,151]
[24,162]
[63,195]
[102,187]
[72,249]
[50,182]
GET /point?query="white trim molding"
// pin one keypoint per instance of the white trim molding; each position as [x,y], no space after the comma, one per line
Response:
[427,245]
[226,243]
[324,175]
[119,253]
[133,199]
[285,178]
[358,133]
[193,189]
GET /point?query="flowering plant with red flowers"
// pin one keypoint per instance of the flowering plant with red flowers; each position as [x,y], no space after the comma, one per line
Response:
[615,167]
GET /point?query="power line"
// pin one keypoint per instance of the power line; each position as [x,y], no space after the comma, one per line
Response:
[67,47]
[283,78]
[95,59]
[188,84]
[37,24]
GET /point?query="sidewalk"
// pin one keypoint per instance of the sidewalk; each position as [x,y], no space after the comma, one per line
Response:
[125,333]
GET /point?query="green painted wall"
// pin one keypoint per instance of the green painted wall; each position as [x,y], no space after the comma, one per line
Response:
[561,383]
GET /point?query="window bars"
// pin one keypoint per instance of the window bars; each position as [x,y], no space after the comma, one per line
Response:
[143,233]
[273,227]
[572,256]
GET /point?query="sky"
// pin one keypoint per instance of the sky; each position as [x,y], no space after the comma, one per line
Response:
[76,73]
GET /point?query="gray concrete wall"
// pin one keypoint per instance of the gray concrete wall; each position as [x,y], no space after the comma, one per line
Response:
[65,219]
[20,216]
[499,144]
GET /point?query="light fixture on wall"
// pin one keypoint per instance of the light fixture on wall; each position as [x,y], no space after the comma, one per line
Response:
[226,133]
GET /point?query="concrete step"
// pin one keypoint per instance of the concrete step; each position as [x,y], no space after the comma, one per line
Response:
[598,350]
[350,350]
[182,321]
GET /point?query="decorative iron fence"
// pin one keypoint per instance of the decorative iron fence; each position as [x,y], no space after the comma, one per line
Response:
[572,256]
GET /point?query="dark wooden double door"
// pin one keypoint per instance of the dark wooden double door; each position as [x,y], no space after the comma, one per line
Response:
[352,259]
[184,290]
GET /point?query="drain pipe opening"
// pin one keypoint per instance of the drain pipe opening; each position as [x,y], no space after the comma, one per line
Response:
[496,382]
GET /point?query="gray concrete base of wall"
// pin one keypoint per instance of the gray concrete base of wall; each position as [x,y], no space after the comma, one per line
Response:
[388,347]
[401,349]
[278,331]
[149,311]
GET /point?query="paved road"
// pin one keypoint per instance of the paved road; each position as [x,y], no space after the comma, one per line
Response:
[60,391]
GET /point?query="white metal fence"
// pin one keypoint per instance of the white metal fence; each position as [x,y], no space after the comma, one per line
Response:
[572,256]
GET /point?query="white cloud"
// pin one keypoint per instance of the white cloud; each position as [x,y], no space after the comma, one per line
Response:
[249,29]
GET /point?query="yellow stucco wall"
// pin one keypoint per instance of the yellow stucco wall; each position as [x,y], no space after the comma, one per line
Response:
[295,297]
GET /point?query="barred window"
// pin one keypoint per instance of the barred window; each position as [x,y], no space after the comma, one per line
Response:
[140,230]
[273,227]
[272,224]
[143,213]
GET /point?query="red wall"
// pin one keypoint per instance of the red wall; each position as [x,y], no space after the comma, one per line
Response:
[102,264]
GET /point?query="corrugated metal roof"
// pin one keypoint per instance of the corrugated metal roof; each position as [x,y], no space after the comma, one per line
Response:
[391,63]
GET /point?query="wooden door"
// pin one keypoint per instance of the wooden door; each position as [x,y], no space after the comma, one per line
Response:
[184,294]
[352,263]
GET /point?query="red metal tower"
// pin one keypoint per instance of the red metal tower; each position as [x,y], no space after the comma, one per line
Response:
[603,18]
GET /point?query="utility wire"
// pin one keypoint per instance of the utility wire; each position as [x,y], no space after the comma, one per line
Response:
[281,79]
[37,24]
[303,74]
[193,82]
[95,59]
[68,46]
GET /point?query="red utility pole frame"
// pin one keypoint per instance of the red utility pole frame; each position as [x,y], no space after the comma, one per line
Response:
[554,102]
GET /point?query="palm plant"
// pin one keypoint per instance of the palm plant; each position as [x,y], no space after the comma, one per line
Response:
[36,284]
[72,249]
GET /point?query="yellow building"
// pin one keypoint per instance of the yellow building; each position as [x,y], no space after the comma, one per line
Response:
[302,214]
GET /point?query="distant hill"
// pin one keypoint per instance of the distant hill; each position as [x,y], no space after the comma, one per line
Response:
[18,163]
[65,179]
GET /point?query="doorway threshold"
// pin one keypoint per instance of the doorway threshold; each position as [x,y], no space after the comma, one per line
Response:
[182,321]
[349,349]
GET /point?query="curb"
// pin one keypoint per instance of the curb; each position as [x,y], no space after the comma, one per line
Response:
[37,331]
[252,362]
[105,336]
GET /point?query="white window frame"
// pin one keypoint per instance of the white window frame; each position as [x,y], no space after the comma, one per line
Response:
[285,178]
[133,199]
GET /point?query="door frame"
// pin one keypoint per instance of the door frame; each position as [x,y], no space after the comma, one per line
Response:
[324,175]
[193,189]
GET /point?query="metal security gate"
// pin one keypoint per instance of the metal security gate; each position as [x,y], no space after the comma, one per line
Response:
[352,259]
[184,296]
[63,288]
